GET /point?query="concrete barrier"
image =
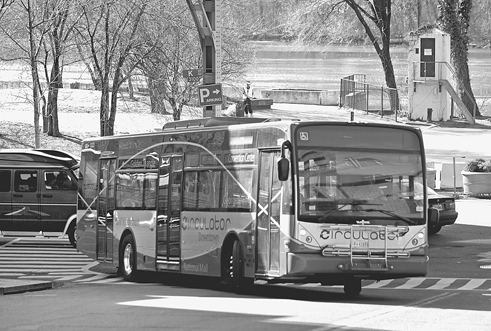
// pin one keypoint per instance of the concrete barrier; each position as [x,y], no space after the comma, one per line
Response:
[445,175]
[301,96]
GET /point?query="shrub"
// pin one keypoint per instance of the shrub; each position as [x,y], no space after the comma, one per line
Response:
[478,165]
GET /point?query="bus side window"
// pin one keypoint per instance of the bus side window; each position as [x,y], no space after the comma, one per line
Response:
[190,192]
[208,190]
[235,196]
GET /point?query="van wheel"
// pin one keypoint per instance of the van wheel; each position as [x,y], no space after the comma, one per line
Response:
[127,258]
[71,233]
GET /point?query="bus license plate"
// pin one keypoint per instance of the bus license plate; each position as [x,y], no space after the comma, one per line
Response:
[360,243]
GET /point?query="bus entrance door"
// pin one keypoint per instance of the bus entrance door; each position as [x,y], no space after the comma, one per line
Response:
[268,215]
[105,209]
[169,213]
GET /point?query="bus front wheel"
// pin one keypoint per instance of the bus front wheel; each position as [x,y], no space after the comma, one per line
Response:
[127,258]
[352,287]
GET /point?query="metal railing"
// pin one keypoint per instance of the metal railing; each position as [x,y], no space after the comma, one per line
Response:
[356,93]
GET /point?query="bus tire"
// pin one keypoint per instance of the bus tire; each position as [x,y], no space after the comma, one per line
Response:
[233,268]
[127,259]
[352,287]
[71,233]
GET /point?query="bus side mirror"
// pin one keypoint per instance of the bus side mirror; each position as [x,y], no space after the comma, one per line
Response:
[433,216]
[283,169]
[283,163]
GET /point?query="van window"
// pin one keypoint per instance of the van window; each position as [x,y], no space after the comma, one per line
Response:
[58,180]
[5,180]
[25,181]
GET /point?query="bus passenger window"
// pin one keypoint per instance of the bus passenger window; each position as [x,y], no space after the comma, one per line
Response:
[190,191]
[236,190]
[208,192]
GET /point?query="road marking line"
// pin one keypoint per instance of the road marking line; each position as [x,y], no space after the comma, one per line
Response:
[412,282]
[442,283]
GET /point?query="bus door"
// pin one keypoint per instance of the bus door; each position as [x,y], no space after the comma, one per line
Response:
[169,213]
[268,215]
[26,200]
[105,209]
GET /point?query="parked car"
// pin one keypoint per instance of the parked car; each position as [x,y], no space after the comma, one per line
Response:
[445,203]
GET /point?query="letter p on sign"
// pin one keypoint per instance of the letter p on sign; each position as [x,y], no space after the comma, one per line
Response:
[203,94]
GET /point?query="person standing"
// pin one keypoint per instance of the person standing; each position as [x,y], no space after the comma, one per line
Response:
[246,96]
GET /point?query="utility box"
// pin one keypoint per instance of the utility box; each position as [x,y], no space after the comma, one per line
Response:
[430,76]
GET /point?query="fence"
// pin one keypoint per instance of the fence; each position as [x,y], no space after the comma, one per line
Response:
[356,93]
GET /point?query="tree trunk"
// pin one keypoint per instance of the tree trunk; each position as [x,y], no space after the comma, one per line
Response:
[454,17]
[156,90]
[52,109]
[382,21]
[35,77]
[104,110]
[131,90]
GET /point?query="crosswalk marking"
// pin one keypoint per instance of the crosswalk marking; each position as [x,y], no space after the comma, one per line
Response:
[473,283]
[41,258]
[56,259]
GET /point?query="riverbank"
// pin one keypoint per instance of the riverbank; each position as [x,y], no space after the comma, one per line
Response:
[79,119]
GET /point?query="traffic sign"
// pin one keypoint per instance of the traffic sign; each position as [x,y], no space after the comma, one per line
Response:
[210,95]
[191,73]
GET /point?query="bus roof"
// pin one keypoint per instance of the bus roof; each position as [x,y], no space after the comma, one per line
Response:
[48,156]
[215,121]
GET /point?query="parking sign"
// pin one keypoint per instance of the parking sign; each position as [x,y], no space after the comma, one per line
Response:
[210,95]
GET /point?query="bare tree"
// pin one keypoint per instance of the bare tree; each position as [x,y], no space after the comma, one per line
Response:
[454,18]
[174,48]
[172,34]
[110,33]
[312,20]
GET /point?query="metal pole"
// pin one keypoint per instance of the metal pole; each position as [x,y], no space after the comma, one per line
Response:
[454,178]
[382,102]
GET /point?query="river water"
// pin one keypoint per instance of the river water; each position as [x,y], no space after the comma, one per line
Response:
[285,65]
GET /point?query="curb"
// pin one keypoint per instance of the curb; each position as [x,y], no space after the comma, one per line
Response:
[12,286]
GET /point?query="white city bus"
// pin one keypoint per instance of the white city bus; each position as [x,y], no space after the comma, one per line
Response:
[256,199]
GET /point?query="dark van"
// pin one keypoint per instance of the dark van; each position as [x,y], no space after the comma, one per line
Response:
[38,193]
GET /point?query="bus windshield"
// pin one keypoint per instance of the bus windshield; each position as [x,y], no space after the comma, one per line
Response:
[356,182]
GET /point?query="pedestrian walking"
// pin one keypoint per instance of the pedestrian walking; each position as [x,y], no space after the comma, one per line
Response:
[246,96]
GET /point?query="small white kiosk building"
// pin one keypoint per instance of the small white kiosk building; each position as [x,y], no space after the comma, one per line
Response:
[431,85]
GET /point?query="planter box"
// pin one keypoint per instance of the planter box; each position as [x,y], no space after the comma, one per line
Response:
[476,183]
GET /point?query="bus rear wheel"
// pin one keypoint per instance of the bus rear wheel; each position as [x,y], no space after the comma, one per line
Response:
[71,233]
[232,273]
[352,287]
[127,258]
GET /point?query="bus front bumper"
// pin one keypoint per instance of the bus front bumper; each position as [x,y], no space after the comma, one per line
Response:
[305,265]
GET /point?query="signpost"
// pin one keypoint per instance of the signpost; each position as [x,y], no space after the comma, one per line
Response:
[210,95]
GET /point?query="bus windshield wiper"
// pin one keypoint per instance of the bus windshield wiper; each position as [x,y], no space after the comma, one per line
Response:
[347,202]
[390,213]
